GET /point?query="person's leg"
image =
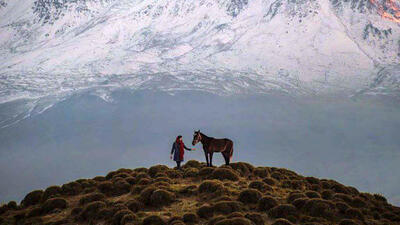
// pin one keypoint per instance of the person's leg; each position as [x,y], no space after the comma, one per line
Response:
[178,164]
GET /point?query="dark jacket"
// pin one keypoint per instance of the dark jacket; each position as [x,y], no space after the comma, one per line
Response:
[175,151]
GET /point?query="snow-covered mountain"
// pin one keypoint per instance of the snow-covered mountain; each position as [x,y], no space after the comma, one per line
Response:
[56,47]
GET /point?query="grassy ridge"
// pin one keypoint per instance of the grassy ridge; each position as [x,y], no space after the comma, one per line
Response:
[239,194]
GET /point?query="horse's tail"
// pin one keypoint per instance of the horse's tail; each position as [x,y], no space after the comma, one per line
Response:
[231,152]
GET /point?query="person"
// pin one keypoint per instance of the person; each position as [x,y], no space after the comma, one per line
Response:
[178,150]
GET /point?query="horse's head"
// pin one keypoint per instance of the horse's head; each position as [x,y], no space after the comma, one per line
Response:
[196,137]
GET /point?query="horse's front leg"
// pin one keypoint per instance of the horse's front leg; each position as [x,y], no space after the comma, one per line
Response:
[211,155]
[206,154]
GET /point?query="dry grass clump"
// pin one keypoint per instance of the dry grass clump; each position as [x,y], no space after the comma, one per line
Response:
[157,169]
[380,198]
[282,222]
[76,211]
[141,170]
[144,181]
[235,194]
[53,203]
[91,210]
[121,187]
[300,202]
[190,218]
[353,213]
[175,220]
[122,217]
[293,184]
[261,172]
[313,194]
[286,211]
[141,175]
[72,188]
[191,172]
[193,164]
[256,218]
[50,192]
[278,176]
[174,174]
[348,222]
[153,220]
[226,207]
[266,203]
[341,207]
[242,167]
[234,221]
[163,179]
[339,188]
[136,189]
[352,190]
[34,212]
[358,202]
[319,208]
[106,187]
[86,183]
[224,174]
[99,178]
[295,195]
[134,205]
[161,174]
[161,198]
[32,198]
[312,180]
[111,174]
[211,187]
[145,194]
[128,219]
[109,188]
[343,197]
[215,220]
[250,196]
[327,194]
[188,190]
[91,198]
[269,181]
[261,186]
[206,172]
[3,209]
[205,211]
[234,215]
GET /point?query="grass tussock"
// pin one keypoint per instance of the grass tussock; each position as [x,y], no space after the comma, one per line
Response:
[238,194]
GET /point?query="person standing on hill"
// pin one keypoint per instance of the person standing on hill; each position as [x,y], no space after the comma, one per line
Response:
[178,150]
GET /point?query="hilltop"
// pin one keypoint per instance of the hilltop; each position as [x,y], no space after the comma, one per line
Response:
[239,194]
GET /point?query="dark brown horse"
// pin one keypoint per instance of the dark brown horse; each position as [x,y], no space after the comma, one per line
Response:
[211,145]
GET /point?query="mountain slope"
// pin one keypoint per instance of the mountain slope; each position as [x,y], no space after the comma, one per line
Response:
[237,194]
[308,46]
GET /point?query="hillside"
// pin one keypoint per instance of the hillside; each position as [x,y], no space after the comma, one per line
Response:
[227,195]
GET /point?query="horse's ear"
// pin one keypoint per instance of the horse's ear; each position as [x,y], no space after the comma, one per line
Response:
[198,131]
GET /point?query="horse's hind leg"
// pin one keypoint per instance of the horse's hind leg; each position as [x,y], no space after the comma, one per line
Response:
[226,157]
[211,155]
[206,154]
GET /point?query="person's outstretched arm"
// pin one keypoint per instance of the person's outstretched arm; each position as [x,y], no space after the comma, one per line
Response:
[189,149]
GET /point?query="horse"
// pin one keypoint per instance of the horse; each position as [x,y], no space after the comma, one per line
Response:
[211,145]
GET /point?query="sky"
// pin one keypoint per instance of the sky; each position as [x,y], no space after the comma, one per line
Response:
[354,141]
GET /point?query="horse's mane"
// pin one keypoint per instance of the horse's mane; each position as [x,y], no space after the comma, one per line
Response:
[205,135]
